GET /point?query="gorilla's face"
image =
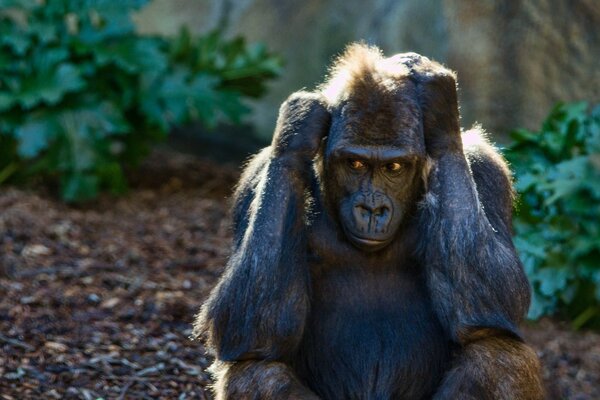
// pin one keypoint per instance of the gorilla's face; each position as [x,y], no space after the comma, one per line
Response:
[375,189]
[372,180]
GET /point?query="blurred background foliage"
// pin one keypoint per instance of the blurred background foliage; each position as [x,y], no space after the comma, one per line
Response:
[557,223]
[85,92]
[82,93]
[515,59]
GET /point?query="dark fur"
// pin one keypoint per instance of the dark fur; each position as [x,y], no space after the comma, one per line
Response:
[303,313]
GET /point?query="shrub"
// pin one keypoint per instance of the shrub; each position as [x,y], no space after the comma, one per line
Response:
[81,94]
[557,224]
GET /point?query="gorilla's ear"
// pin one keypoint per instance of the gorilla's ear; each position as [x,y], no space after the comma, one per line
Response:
[437,95]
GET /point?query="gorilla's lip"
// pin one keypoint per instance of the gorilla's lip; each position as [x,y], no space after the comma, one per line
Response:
[369,243]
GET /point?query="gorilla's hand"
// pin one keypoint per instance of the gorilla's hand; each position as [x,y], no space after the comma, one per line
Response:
[436,87]
[303,121]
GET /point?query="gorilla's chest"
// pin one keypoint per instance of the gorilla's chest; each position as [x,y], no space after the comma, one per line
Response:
[372,335]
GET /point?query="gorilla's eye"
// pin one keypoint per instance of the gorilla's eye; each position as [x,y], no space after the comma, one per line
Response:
[356,164]
[393,167]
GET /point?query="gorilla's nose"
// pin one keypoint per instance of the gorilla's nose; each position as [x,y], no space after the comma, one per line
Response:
[372,214]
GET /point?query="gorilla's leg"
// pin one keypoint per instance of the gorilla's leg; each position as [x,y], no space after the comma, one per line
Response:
[256,380]
[495,368]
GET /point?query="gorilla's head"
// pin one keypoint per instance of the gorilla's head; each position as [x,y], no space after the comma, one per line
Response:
[374,159]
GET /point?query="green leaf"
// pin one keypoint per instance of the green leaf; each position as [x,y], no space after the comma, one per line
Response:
[540,306]
[175,94]
[208,103]
[50,87]
[6,101]
[527,246]
[565,179]
[19,42]
[110,20]
[44,32]
[83,126]
[526,181]
[552,280]
[20,4]
[34,137]
[133,55]
[575,111]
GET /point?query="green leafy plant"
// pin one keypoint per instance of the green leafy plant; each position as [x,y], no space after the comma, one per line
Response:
[242,68]
[82,94]
[557,224]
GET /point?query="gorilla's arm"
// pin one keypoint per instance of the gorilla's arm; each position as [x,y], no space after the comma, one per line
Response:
[474,274]
[258,306]
[476,281]
[257,311]
[475,277]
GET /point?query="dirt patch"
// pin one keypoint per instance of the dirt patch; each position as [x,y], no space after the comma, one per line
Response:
[98,301]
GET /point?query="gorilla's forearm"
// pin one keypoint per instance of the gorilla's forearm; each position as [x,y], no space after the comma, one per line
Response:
[474,274]
[476,280]
[247,316]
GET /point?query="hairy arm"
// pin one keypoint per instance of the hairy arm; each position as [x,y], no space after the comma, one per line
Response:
[473,270]
[257,311]
[476,281]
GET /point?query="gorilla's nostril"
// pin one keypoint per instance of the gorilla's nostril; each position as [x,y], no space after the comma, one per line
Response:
[363,210]
[362,217]
[380,211]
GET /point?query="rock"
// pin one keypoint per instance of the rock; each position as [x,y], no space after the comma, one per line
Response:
[110,303]
[35,250]
[56,347]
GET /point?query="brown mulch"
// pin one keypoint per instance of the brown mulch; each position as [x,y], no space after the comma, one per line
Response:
[98,301]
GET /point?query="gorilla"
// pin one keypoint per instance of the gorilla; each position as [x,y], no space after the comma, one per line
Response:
[372,255]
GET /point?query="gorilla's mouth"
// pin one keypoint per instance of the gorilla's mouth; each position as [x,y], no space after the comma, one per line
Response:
[368,244]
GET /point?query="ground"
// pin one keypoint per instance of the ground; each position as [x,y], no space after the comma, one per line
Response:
[97,301]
